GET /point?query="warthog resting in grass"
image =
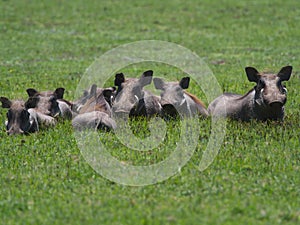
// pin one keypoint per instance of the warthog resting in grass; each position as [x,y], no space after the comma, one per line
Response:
[50,103]
[20,120]
[96,99]
[265,101]
[174,100]
[93,109]
[132,100]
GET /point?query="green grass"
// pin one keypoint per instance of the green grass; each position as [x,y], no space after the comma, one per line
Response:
[253,180]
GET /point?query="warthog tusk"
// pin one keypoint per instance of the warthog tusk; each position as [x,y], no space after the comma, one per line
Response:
[136,97]
[285,90]
[56,115]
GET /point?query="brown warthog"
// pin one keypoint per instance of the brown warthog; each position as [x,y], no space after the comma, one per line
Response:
[50,103]
[265,101]
[20,120]
[97,99]
[176,101]
[131,99]
[93,109]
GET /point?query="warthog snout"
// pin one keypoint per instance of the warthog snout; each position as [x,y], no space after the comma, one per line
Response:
[14,130]
[18,121]
[276,99]
[276,104]
[168,110]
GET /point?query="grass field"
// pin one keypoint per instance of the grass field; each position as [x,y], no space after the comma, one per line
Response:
[253,180]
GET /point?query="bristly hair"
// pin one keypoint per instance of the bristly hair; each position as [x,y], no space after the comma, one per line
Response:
[243,96]
[195,99]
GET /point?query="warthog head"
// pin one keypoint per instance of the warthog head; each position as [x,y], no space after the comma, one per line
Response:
[269,91]
[129,93]
[173,95]
[18,117]
[96,99]
[45,102]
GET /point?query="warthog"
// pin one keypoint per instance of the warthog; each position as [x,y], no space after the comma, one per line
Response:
[176,101]
[20,120]
[50,103]
[97,99]
[131,99]
[93,109]
[265,101]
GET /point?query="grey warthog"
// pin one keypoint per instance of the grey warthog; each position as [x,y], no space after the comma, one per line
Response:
[50,103]
[93,109]
[20,120]
[131,99]
[176,101]
[265,101]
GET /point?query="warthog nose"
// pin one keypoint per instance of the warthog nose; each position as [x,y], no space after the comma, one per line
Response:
[276,104]
[15,131]
[169,110]
[163,102]
[169,107]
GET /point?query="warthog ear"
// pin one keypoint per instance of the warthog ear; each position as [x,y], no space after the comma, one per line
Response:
[6,103]
[31,92]
[184,82]
[146,78]
[252,74]
[119,79]
[31,102]
[158,83]
[285,73]
[59,93]
[93,90]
